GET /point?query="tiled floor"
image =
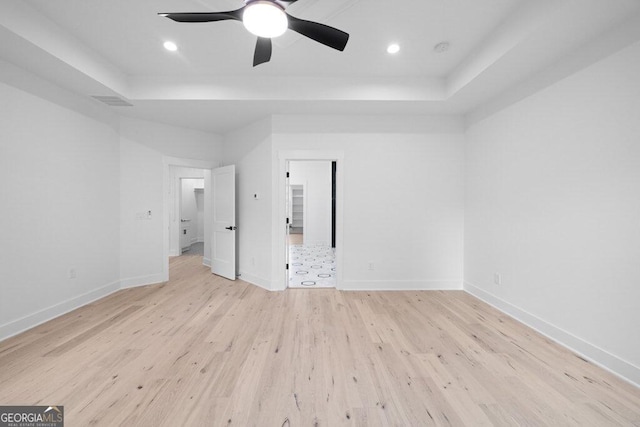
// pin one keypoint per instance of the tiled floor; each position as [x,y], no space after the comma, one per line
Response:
[312,266]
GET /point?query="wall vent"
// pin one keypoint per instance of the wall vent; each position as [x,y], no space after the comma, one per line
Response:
[113,101]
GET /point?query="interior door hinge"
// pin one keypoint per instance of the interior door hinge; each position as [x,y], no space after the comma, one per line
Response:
[287,266]
[287,174]
[287,220]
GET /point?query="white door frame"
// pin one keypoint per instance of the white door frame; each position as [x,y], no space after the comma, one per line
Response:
[280,219]
[167,194]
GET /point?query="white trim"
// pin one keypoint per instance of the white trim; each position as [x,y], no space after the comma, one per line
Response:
[612,363]
[134,282]
[32,320]
[401,285]
[261,282]
[206,262]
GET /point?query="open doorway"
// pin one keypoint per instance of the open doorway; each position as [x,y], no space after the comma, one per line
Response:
[189,207]
[311,224]
[191,217]
[218,200]
[174,169]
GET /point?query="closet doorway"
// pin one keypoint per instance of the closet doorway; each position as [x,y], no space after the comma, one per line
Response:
[311,224]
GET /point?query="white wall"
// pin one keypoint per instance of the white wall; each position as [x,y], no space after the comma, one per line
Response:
[76,179]
[315,176]
[144,184]
[59,181]
[140,234]
[250,150]
[403,201]
[173,141]
[552,204]
[148,177]
[403,207]
[175,145]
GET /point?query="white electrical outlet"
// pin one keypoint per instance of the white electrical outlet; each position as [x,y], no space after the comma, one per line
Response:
[72,273]
[497,278]
[371,266]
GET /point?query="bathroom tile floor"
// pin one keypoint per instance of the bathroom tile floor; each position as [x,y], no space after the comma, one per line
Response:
[312,266]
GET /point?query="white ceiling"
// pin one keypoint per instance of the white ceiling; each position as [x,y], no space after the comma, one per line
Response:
[97,47]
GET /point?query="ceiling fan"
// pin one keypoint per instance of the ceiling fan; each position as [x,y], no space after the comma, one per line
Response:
[267,19]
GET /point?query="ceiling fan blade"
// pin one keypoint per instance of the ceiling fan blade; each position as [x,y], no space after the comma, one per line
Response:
[263,51]
[205,16]
[321,33]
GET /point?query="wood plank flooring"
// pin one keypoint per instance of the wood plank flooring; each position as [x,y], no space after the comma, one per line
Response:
[296,239]
[202,351]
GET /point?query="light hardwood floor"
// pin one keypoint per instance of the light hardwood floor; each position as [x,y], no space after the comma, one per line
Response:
[200,351]
[296,239]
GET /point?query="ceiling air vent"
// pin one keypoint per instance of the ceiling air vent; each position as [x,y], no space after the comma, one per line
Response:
[113,101]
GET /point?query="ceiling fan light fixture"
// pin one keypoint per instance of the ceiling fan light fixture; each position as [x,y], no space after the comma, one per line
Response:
[265,18]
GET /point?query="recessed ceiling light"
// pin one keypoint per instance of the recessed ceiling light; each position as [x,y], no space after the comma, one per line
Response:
[170,46]
[393,48]
[442,47]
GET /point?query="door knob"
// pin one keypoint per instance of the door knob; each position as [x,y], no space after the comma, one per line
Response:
[231,228]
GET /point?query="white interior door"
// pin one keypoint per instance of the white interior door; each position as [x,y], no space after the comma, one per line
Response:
[223,247]
[286,236]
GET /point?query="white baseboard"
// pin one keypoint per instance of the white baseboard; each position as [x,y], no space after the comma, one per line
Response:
[32,320]
[400,285]
[596,355]
[206,261]
[256,280]
[134,282]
